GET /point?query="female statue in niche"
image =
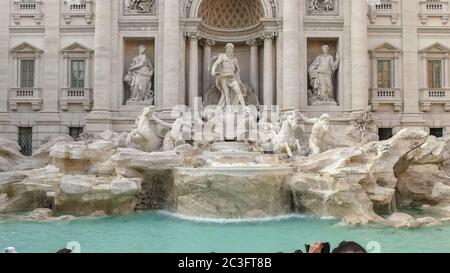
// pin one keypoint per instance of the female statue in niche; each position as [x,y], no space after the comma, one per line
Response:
[139,78]
[321,75]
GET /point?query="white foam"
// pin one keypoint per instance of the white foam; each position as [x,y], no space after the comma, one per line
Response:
[234,221]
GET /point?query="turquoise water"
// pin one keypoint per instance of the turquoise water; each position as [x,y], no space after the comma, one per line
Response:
[159,232]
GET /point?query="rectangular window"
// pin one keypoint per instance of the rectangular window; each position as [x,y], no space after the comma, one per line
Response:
[385,133]
[75,132]
[77,68]
[435,73]
[384,74]
[437,132]
[26,73]
[26,140]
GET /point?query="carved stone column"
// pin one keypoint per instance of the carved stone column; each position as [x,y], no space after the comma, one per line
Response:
[254,79]
[291,54]
[268,69]
[171,53]
[412,115]
[206,76]
[193,67]
[99,119]
[359,58]
[4,63]
[51,59]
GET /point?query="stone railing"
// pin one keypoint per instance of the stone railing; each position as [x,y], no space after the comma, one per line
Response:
[385,8]
[392,96]
[27,9]
[83,8]
[25,95]
[81,96]
[434,8]
[430,96]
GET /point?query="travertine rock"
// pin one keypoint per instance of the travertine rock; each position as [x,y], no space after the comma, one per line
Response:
[27,190]
[10,156]
[403,220]
[234,192]
[41,156]
[325,195]
[82,158]
[83,195]
[128,161]
[365,175]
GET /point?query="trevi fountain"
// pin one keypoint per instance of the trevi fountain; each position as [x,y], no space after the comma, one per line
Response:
[227,173]
[229,161]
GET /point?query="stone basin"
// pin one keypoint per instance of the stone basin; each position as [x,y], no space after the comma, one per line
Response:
[233,191]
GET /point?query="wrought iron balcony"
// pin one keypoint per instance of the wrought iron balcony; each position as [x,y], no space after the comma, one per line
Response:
[81,96]
[26,95]
[390,96]
[83,8]
[430,96]
[434,8]
[32,8]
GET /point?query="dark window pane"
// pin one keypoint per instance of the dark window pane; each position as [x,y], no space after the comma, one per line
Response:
[27,73]
[26,140]
[435,74]
[384,74]
[437,132]
[75,132]
[77,73]
[385,133]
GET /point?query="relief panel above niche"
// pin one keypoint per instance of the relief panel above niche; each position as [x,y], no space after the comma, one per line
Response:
[139,7]
[322,7]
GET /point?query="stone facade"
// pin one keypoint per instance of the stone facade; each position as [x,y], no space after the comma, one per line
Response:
[276,41]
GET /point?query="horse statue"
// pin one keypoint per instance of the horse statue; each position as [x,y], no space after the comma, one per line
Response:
[287,140]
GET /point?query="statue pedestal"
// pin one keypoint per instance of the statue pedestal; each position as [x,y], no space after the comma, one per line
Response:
[324,103]
[140,103]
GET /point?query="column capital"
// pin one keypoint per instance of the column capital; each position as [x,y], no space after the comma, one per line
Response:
[269,35]
[192,35]
[207,42]
[254,42]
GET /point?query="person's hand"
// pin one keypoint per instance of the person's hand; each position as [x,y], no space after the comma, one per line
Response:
[316,248]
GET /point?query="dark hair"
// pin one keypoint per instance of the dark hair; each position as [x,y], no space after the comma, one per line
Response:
[64,250]
[298,251]
[349,247]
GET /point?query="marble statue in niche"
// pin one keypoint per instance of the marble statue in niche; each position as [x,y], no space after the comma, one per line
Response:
[139,78]
[321,6]
[226,70]
[139,6]
[321,73]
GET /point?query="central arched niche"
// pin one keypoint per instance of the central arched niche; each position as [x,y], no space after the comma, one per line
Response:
[231,14]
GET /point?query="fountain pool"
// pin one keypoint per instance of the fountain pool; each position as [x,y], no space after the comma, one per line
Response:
[161,232]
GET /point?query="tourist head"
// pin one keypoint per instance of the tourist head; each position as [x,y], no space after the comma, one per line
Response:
[9,250]
[349,247]
[64,251]
[325,49]
[229,48]
[142,49]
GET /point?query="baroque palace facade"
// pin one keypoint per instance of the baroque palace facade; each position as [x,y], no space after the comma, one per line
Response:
[64,64]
